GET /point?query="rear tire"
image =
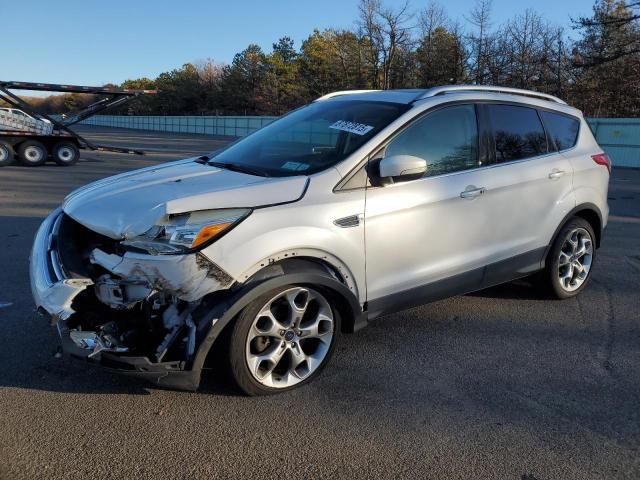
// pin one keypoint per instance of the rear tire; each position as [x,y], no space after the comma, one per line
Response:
[570,261]
[65,154]
[282,340]
[7,155]
[32,153]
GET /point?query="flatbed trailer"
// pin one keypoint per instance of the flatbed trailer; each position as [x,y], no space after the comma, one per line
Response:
[62,145]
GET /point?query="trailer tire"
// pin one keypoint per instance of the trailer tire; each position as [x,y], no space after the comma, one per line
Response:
[32,153]
[65,153]
[7,156]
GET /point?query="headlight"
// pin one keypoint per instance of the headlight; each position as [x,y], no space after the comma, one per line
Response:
[186,232]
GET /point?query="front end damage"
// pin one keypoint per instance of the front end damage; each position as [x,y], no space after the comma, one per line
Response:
[134,312]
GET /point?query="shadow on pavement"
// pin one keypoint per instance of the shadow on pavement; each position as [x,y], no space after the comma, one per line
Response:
[523,289]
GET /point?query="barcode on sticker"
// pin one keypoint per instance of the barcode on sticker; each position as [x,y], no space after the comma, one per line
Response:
[352,127]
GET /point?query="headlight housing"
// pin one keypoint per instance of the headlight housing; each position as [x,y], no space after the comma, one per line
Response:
[184,233]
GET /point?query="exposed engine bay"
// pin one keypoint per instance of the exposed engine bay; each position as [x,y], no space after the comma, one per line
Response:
[134,304]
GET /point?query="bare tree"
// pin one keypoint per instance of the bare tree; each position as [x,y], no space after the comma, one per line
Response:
[525,35]
[397,38]
[556,62]
[371,30]
[388,34]
[480,17]
[348,49]
[431,17]
[461,58]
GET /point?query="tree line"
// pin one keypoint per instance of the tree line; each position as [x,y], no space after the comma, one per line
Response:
[594,66]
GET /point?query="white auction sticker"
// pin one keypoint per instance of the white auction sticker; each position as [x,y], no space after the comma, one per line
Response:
[352,127]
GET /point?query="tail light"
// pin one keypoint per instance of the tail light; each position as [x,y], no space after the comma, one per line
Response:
[602,159]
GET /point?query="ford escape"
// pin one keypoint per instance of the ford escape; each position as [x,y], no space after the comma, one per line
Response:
[359,204]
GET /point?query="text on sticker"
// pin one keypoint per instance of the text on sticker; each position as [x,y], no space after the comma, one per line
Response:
[352,127]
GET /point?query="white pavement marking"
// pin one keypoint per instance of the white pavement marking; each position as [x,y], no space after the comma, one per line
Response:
[5,304]
[620,219]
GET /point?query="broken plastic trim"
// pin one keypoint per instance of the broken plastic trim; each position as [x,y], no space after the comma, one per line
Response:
[95,342]
[172,374]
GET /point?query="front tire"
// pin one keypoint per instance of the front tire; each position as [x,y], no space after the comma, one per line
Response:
[282,340]
[570,261]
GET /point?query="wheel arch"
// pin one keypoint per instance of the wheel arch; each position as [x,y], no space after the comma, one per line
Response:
[595,220]
[219,313]
[587,211]
[336,283]
[313,256]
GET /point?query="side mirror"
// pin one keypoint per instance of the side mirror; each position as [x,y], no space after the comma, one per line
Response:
[402,167]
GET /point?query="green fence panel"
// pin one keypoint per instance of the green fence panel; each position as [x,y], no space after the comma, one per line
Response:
[232,126]
[619,137]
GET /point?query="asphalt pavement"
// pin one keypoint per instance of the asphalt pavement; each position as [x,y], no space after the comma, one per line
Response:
[500,384]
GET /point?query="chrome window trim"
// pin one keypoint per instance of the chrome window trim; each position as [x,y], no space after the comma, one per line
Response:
[382,145]
[485,167]
[385,142]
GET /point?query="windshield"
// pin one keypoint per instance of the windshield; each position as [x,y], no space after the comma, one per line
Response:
[309,139]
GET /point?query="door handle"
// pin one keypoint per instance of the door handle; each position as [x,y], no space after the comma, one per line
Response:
[472,192]
[556,174]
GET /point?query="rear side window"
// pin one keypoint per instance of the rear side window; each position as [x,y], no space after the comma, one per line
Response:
[447,139]
[518,132]
[562,130]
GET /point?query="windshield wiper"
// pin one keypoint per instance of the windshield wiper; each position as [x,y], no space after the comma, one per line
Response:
[236,167]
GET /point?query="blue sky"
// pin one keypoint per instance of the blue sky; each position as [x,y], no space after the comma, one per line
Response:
[90,42]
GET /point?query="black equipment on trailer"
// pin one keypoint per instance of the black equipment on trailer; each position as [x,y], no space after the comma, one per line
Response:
[62,144]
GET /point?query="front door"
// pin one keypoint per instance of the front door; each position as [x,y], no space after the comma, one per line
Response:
[427,238]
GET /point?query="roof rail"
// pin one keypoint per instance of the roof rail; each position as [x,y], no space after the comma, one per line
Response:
[342,92]
[432,92]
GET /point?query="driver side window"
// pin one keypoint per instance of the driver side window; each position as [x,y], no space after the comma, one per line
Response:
[447,139]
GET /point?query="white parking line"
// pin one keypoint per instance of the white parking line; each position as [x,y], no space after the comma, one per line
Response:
[5,304]
[620,219]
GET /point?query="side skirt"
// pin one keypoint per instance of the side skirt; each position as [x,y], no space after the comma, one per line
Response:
[480,278]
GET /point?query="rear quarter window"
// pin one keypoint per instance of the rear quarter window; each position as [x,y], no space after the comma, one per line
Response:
[562,130]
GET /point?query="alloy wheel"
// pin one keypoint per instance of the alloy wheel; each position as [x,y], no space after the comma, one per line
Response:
[574,262]
[289,338]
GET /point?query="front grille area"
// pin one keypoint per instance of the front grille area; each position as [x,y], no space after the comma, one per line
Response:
[74,243]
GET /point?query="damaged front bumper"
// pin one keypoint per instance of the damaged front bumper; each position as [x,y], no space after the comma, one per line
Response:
[127,283]
[51,291]
[174,374]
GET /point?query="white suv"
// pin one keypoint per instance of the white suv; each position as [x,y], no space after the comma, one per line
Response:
[357,205]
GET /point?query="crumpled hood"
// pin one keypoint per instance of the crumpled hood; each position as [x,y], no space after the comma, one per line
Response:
[128,204]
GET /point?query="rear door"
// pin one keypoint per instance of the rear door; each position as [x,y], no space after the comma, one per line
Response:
[572,137]
[529,189]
